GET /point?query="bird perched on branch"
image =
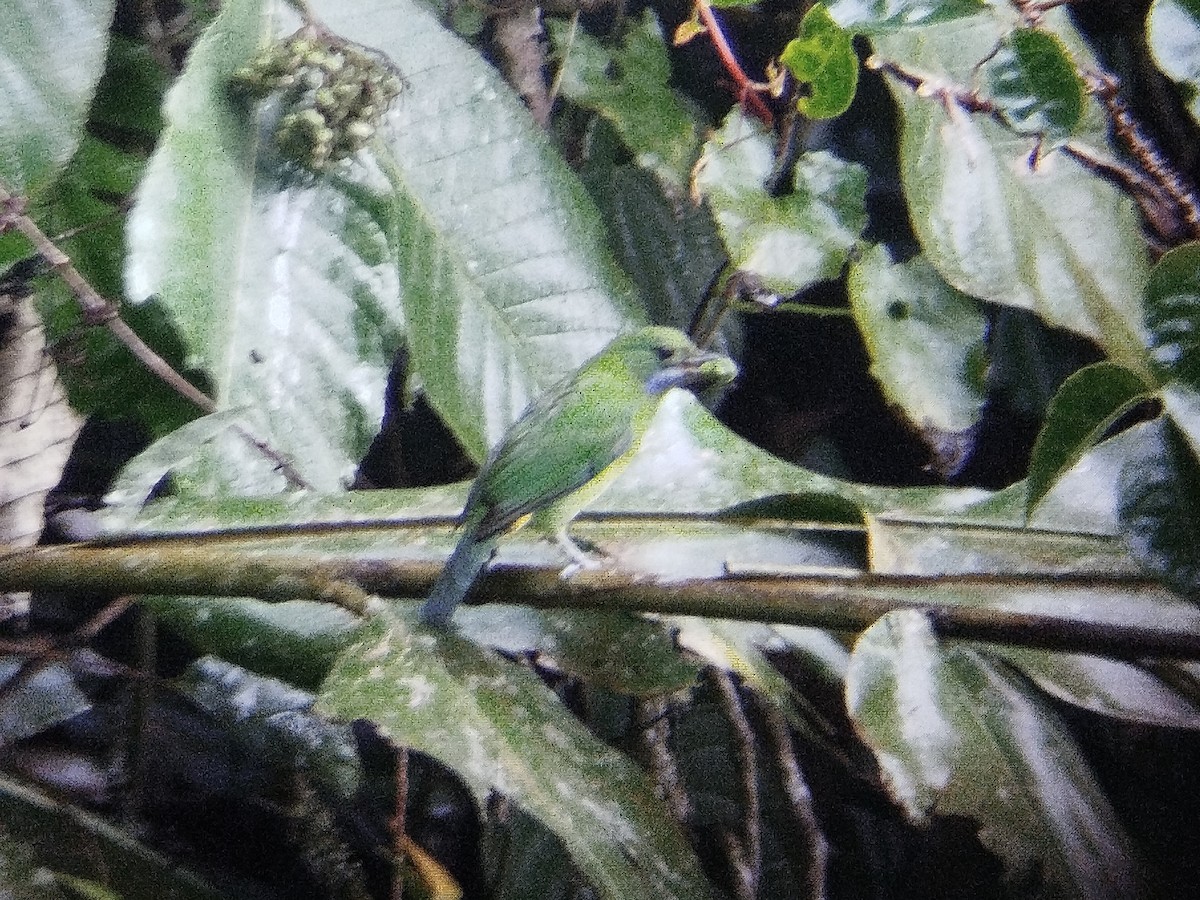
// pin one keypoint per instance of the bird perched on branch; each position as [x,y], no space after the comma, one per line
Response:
[566,448]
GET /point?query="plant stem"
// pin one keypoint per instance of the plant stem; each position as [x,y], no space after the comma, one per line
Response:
[748,90]
[834,602]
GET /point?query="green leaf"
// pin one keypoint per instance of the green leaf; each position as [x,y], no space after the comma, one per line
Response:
[628,85]
[1159,495]
[956,734]
[822,59]
[1035,85]
[273,722]
[296,641]
[502,730]
[1173,313]
[465,233]
[51,58]
[1111,687]
[1055,239]
[617,651]
[883,16]
[137,481]
[669,246]
[41,698]
[1173,36]
[68,839]
[791,241]
[925,340]
[1087,404]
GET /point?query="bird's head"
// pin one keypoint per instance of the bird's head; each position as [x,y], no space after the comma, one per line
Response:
[663,358]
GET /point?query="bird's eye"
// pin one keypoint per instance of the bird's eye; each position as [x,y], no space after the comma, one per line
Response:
[664,353]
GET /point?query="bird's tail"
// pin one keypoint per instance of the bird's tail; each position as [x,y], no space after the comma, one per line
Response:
[456,580]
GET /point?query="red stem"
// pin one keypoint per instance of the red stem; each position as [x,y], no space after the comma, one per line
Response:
[748,90]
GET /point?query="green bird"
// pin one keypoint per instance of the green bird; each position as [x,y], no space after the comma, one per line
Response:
[567,446]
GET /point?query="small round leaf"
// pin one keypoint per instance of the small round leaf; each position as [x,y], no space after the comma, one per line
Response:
[823,60]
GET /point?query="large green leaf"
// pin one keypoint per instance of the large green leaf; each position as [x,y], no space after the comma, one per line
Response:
[1173,313]
[627,84]
[502,730]
[791,241]
[882,16]
[1173,36]
[51,57]
[957,734]
[925,339]
[465,233]
[1087,404]
[1052,238]
[296,641]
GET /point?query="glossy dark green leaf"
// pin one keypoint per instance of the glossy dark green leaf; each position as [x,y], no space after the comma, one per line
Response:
[883,16]
[1173,313]
[51,57]
[957,734]
[925,340]
[791,241]
[502,730]
[1159,501]
[1084,407]
[1173,36]
[822,60]
[628,85]
[1053,238]
[1034,84]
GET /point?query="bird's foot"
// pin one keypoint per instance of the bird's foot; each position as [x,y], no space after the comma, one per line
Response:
[583,554]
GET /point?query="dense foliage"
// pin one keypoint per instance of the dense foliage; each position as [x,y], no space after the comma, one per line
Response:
[910,611]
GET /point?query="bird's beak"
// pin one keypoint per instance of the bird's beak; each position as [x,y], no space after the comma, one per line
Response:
[697,373]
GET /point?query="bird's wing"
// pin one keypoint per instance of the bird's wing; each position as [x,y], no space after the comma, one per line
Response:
[566,439]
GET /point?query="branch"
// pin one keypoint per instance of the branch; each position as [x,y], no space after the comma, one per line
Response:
[96,310]
[837,602]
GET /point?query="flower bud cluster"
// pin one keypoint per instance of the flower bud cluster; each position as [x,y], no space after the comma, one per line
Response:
[334,95]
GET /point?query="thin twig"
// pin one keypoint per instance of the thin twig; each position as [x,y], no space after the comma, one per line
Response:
[747,852]
[97,310]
